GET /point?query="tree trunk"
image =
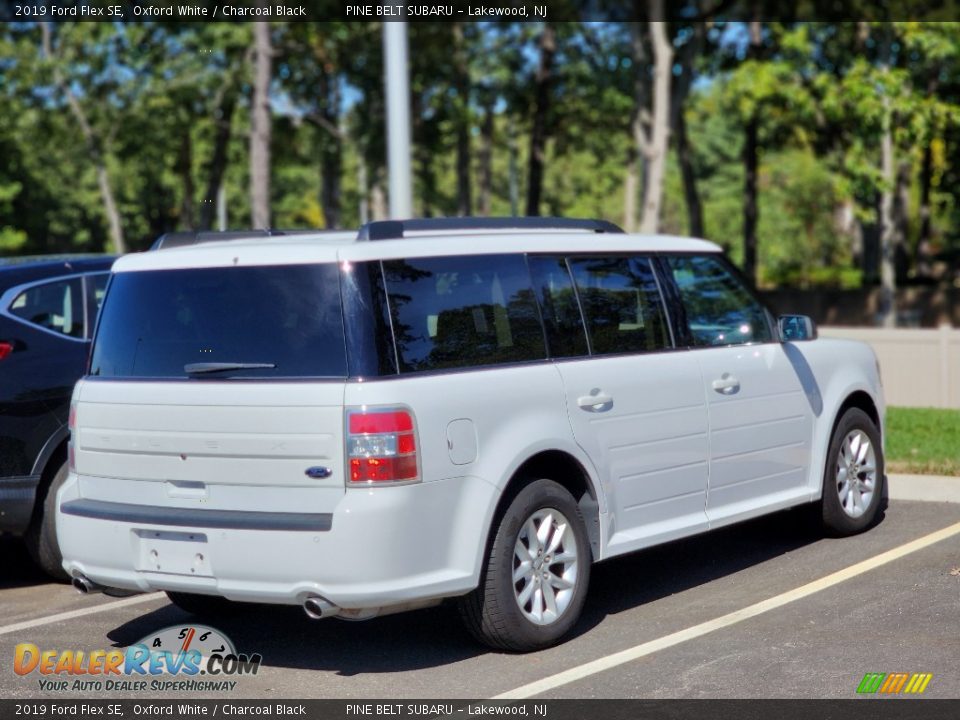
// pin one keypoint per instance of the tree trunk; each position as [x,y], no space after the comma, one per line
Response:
[94,147]
[888,228]
[659,137]
[331,153]
[691,193]
[634,159]
[260,129]
[362,190]
[538,135]
[687,56]
[751,144]
[378,197]
[219,159]
[462,84]
[486,158]
[514,180]
[185,167]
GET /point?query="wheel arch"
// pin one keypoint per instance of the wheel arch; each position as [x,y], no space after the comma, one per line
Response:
[568,472]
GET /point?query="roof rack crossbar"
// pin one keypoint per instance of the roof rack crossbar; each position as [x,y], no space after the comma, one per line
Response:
[397,229]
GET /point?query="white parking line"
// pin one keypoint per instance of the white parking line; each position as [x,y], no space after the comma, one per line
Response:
[50,619]
[690,633]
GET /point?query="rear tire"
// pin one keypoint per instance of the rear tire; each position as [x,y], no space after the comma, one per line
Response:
[853,481]
[41,536]
[534,585]
[211,607]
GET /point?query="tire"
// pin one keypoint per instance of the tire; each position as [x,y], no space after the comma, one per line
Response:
[855,449]
[41,536]
[211,607]
[493,612]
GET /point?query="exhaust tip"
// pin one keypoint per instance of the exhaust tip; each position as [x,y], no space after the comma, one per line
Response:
[318,608]
[84,585]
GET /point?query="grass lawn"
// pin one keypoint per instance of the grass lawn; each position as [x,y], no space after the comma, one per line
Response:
[923,440]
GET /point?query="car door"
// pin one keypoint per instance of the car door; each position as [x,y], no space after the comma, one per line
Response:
[761,421]
[635,405]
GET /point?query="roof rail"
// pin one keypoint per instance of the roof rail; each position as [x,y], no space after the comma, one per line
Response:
[397,229]
[181,239]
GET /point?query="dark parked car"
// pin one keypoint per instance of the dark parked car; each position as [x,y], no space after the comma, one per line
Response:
[48,306]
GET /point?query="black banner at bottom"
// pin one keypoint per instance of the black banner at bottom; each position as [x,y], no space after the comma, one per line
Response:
[856,709]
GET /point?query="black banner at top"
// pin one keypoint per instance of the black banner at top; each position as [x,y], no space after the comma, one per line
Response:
[475,11]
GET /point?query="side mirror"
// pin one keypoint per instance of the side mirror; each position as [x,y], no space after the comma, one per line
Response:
[794,328]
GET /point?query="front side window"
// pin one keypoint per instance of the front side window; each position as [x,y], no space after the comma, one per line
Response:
[254,322]
[720,309]
[55,306]
[465,311]
[621,304]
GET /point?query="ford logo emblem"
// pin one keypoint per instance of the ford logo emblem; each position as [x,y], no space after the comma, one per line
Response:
[318,471]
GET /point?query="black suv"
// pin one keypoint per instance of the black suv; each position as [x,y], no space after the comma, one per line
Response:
[48,306]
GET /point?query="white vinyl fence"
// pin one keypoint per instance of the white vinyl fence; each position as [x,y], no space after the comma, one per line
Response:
[920,367]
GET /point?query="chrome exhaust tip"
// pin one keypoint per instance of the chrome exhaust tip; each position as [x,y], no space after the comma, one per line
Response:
[318,608]
[85,586]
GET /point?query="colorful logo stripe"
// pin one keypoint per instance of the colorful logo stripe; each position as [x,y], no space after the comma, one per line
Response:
[894,683]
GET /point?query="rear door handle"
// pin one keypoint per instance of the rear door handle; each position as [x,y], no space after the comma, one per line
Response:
[726,384]
[596,401]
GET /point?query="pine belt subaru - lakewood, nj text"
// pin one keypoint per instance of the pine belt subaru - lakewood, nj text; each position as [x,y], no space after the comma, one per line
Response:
[429,409]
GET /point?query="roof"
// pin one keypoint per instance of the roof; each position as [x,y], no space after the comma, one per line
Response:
[344,247]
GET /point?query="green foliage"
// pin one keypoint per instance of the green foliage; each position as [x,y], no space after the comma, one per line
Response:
[923,440]
[155,95]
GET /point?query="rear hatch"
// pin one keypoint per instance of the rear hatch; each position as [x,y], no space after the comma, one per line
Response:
[216,388]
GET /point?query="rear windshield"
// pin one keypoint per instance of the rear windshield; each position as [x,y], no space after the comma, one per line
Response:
[287,318]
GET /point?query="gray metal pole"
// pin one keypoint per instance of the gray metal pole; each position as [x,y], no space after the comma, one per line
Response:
[397,78]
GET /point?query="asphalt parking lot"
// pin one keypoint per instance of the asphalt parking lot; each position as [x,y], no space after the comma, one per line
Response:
[767,609]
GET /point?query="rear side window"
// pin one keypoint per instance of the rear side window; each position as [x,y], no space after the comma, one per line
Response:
[720,309]
[154,323]
[55,306]
[621,304]
[466,311]
[561,311]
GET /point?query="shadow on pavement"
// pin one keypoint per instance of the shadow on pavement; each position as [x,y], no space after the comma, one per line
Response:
[285,637]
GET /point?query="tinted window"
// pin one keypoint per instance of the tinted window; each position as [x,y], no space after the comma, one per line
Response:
[558,301]
[621,304]
[463,311]
[55,306]
[153,323]
[720,310]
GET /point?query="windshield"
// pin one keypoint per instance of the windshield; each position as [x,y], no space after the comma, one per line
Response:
[277,321]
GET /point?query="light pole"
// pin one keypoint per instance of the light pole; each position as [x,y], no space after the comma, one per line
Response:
[397,79]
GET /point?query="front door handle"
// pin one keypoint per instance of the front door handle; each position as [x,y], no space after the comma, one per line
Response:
[596,401]
[726,384]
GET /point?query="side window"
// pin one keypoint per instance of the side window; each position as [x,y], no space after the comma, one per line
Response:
[621,304]
[55,306]
[720,310]
[566,336]
[466,311]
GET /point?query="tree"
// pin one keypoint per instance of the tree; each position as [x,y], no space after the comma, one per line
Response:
[260,126]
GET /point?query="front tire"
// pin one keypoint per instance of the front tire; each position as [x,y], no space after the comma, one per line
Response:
[534,585]
[41,537]
[853,482]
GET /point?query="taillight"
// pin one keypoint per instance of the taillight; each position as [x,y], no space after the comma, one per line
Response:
[382,446]
[5,349]
[72,425]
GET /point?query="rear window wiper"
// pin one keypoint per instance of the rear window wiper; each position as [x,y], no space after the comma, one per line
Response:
[215,367]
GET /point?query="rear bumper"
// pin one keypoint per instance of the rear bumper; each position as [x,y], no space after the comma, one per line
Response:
[17,498]
[383,546]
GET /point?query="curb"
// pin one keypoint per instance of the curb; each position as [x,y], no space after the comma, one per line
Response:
[924,488]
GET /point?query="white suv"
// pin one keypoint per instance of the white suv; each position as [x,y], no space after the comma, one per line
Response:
[481,409]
